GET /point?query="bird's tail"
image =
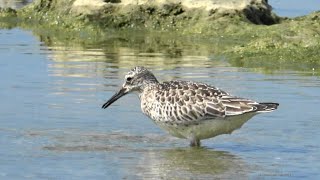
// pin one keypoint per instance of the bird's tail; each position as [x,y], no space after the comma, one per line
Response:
[267,107]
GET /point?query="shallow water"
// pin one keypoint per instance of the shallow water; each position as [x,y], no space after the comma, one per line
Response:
[52,126]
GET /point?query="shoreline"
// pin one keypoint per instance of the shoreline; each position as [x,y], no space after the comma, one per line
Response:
[285,40]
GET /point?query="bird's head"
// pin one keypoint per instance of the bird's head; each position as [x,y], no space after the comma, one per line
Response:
[134,81]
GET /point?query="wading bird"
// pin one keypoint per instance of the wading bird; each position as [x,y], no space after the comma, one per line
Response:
[187,109]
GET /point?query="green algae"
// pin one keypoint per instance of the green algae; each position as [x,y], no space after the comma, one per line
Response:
[292,44]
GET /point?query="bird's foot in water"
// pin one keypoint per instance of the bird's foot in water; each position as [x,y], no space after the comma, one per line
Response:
[194,142]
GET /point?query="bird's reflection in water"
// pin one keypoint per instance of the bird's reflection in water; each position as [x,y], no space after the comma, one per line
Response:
[152,156]
[191,163]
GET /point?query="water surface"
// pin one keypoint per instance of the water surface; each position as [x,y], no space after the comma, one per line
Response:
[52,126]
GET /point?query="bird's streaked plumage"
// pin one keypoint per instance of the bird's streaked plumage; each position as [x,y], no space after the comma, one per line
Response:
[188,109]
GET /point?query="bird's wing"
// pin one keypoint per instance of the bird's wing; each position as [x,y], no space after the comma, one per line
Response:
[191,101]
[188,101]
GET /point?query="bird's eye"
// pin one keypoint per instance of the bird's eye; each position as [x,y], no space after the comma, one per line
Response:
[129,78]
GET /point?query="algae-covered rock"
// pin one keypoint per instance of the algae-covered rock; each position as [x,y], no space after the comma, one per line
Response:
[179,13]
[186,16]
[256,11]
[7,12]
[294,42]
[154,14]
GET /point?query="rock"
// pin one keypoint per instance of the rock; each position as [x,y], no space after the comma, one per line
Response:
[203,4]
[87,7]
[186,16]
[256,11]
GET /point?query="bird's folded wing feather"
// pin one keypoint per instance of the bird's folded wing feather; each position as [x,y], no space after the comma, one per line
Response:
[236,106]
[190,101]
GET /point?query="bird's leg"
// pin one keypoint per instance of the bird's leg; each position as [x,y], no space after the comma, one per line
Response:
[194,142]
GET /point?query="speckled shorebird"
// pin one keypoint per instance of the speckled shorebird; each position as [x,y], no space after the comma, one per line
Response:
[189,110]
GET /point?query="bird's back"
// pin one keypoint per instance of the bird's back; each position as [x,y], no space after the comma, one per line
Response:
[184,101]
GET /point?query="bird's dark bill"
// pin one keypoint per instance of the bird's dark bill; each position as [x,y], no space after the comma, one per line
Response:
[115,97]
